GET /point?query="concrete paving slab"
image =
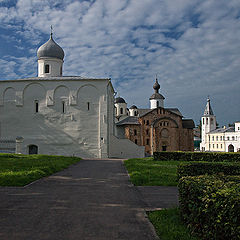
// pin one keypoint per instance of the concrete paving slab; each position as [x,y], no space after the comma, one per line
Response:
[158,197]
[91,200]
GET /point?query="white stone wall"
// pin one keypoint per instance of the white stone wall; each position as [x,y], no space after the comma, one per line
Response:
[232,138]
[120,106]
[124,148]
[133,112]
[55,67]
[208,125]
[154,103]
[82,130]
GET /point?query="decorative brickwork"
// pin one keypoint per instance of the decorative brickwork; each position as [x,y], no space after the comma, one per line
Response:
[161,130]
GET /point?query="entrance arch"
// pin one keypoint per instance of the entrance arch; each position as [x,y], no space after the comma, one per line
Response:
[230,148]
[32,149]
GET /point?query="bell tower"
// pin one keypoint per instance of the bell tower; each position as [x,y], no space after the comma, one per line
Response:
[208,122]
[157,99]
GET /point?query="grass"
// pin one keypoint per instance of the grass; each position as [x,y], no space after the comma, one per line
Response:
[19,170]
[168,225]
[147,172]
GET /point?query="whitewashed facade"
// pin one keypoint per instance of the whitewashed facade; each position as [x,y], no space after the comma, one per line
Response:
[226,139]
[61,115]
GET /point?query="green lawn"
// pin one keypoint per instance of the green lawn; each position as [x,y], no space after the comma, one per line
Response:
[168,225]
[19,170]
[147,172]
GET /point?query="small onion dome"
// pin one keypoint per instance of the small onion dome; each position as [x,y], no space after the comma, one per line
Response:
[133,107]
[156,86]
[50,49]
[119,100]
[157,96]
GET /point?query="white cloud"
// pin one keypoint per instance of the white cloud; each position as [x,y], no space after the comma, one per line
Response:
[192,45]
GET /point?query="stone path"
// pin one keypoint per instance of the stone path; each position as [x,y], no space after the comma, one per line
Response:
[91,200]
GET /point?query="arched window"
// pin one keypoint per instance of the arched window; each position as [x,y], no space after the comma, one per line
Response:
[61,71]
[46,68]
[121,110]
[157,104]
[207,121]
[135,141]
[33,149]
[203,121]
[135,132]
[135,113]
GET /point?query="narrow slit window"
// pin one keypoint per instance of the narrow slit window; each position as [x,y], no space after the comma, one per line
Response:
[36,106]
[63,107]
[47,69]
[88,106]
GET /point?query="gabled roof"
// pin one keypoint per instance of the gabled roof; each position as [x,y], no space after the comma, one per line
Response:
[128,121]
[223,130]
[174,110]
[143,112]
[188,123]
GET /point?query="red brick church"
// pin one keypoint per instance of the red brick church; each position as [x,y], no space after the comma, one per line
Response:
[157,128]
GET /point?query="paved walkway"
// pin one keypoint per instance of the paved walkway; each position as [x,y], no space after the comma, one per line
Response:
[91,200]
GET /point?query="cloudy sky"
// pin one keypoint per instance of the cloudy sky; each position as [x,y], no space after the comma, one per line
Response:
[192,45]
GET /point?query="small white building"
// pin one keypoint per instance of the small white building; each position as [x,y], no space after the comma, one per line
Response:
[62,115]
[226,139]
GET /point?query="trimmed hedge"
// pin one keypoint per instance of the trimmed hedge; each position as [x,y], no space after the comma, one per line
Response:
[210,205]
[197,156]
[201,168]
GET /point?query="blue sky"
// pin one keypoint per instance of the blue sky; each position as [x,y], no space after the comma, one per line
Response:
[192,45]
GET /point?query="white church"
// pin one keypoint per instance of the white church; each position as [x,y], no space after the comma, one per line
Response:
[61,115]
[225,139]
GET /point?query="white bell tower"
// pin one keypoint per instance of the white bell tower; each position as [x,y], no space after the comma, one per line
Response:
[157,99]
[208,122]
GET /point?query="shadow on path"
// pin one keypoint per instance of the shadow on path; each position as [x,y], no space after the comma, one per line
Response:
[91,200]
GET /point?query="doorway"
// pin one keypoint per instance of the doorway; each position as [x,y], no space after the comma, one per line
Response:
[164,148]
[230,148]
[33,149]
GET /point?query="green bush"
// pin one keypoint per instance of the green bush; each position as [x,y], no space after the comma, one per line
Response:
[201,168]
[197,156]
[210,206]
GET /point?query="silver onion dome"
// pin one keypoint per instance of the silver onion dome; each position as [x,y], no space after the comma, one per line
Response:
[50,49]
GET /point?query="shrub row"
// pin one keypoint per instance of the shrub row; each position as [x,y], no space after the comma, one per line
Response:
[210,205]
[210,168]
[197,156]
